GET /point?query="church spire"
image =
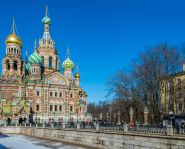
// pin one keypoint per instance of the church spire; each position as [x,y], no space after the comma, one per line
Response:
[46,40]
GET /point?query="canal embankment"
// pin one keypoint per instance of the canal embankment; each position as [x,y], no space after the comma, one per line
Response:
[101,139]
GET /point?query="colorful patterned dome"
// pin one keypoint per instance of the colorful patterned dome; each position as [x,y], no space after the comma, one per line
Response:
[13,39]
[46,20]
[34,58]
[68,64]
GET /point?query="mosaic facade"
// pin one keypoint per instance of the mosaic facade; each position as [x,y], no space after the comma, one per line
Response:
[35,88]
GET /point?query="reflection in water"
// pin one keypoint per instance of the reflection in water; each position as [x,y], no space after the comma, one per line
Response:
[23,142]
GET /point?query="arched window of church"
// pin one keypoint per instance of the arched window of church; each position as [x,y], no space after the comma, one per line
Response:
[56,63]
[43,61]
[15,65]
[14,50]
[50,62]
[11,50]
[7,65]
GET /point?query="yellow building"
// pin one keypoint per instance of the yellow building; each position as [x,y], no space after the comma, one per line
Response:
[172,93]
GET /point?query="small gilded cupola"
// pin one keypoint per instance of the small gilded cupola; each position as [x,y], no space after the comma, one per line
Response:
[77,77]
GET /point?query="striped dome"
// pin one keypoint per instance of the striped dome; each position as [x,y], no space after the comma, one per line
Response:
[46,20]
[34,58]
[68,64]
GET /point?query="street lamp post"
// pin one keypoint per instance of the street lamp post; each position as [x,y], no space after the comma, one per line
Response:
[107,116]
[36,117]
[42,118]
[77,115]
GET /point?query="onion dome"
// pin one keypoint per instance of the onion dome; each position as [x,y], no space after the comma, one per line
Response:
[13,39]
[80,91]
[68,64]
[34,58]
[46,20]
[77,76]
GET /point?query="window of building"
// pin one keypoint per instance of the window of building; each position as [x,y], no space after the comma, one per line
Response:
[60,108]
[179,94]
[51,107]
[15,65]
[71,95]
[80,108]
[37,108]
[65,94]
[55,94]
[81,95]
[71,108]
[56,63]
[179,82]
[51,94]
[38,93]
[55,107]
[60,94]
[7,65]
[43,61]
[50,62]
[180,107]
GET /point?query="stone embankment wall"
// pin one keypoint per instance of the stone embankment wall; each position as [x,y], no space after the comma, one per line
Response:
[106,140]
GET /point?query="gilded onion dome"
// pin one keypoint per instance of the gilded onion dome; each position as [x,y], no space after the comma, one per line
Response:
[13,39]
[68,64]
[77,76]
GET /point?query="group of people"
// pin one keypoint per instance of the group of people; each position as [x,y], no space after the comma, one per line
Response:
[179,126]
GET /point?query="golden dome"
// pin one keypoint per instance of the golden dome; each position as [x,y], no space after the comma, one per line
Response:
[77,76]
[80,91]
[13,39]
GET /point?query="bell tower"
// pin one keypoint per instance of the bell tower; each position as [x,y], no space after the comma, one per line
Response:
[13,64]
[47,48]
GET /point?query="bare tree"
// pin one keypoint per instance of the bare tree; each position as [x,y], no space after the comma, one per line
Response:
[141,86]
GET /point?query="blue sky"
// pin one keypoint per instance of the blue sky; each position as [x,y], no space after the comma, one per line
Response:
[103,35]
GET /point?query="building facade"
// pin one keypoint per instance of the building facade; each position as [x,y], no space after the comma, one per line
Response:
[36,89]
[172,94]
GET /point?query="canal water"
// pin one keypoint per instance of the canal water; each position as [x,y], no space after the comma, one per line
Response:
[13,141]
